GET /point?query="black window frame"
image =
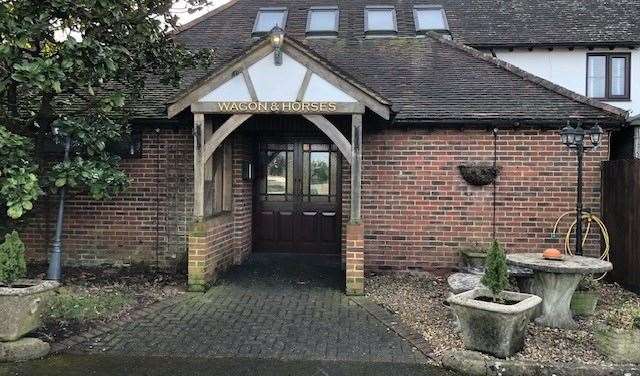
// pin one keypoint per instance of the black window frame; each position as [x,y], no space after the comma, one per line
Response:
[323,33]
[607,91]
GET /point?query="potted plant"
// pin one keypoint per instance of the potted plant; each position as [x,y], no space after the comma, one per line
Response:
[585,298]
[619,339]
[21,300]
[493,320]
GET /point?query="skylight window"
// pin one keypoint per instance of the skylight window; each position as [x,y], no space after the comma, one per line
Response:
[323,21]
[268,18]
[380,20]
[430,17]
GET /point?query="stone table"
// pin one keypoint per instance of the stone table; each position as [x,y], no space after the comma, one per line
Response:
[555,282]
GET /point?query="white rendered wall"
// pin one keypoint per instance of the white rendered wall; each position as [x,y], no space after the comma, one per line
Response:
[568,68]
[277,83]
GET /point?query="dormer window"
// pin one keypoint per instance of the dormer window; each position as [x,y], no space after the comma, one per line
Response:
[380,20]
[429,17]
[268,18]
[323,21]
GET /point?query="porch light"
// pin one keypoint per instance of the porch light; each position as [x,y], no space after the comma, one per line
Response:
[277,40]
[574,138]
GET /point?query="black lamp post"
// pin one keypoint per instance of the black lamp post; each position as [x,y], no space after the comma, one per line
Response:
[55,257]
[574,138]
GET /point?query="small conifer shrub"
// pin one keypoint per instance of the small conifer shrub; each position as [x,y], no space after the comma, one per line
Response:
[496,274]
[12,263]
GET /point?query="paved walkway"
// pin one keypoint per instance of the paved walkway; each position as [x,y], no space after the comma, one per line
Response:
[273,307]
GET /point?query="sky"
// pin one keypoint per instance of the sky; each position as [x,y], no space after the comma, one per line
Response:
[180,9]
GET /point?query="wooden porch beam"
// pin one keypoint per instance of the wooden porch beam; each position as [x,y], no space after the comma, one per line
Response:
[221,134]
[333,133]
[198,166]
[356,169]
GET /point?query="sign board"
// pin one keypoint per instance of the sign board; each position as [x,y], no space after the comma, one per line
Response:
[278,108]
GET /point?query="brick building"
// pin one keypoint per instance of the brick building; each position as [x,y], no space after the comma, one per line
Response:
[342,134]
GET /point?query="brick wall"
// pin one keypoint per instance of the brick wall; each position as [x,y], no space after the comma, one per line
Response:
[419,212]
[211,250]
[226,239]
[146,223]
[242,199]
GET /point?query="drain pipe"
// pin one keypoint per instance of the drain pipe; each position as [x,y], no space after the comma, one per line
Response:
[55,259]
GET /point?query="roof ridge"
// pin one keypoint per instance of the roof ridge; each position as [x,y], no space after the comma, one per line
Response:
[529,76]
[204,17]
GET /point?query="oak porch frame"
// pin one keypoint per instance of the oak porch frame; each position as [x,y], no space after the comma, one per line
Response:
[205,148]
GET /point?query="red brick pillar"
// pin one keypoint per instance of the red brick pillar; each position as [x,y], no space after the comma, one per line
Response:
[197,253]
[355,259]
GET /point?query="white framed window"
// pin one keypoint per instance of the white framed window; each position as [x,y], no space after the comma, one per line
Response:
[323,21]
[380,20]
[268,18]
[429,17]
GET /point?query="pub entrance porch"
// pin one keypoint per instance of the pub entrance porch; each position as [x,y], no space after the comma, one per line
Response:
[277,160]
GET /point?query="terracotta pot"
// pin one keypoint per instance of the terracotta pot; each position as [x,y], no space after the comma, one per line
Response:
[552,254]
[21,307]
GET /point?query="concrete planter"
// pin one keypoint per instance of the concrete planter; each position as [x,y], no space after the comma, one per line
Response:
[493,328]
[473,259]
[619,346]
[583,303]
[21,307]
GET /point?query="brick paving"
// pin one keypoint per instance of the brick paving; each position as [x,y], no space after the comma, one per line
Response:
[274,306]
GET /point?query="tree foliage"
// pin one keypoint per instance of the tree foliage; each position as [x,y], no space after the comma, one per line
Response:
[12,262]
[496,274]
[74,65]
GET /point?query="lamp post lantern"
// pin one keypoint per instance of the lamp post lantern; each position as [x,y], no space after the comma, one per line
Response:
[277,40]
[574,138]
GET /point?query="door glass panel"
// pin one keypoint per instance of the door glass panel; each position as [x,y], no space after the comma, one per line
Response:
[290,172]
[334,173]
[277,173]
[305,169]
[319,174]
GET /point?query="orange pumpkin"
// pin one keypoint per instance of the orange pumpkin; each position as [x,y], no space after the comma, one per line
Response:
[552,254]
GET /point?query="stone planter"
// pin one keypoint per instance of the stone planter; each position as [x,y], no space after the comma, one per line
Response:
[619,346]
[493,328]
[21,307]
[473,259]
[583,303]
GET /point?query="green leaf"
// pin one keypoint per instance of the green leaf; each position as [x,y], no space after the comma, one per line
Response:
[56,86]
[61,182]
[27,205]
[15,212]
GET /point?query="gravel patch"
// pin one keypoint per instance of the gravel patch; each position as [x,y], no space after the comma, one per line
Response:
[138,286]
[418,301]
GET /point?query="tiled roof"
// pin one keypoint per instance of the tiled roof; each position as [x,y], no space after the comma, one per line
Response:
[427,79]
[472,22]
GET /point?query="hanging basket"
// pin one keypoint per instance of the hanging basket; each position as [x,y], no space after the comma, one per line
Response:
[479,175]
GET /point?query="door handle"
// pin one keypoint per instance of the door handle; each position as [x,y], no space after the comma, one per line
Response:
[329,214]
[309,214]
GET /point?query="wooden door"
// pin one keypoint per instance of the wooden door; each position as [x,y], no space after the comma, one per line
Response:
[297,197]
